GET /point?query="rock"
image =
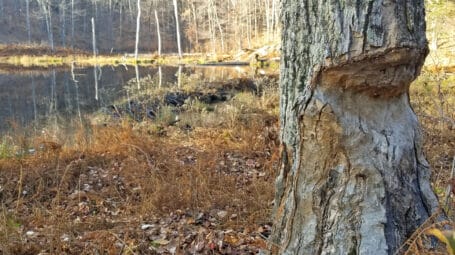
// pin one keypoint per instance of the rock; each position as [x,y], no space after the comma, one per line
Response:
[222,214]
[30,233]
[65,238]
[147,226]
[175,99]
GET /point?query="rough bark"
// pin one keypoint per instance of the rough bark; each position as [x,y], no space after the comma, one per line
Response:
[353,178]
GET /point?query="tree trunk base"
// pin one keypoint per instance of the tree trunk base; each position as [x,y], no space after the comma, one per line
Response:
[363,186]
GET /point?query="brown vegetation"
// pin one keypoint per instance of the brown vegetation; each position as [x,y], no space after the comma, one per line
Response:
[203,184]
[37,50]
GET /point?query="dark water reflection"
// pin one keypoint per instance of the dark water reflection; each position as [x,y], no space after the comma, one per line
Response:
[35,101]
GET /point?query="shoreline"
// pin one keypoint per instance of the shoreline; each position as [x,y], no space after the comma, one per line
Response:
[36,57]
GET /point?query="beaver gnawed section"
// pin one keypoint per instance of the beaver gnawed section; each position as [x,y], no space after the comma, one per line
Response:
[386,74]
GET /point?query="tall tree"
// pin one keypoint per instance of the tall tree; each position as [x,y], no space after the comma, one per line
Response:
[94,37]
[158,33]
[177,27]
[353,177]
[62,11]
[138,25]
[72,24]
[27,10]
[47,13]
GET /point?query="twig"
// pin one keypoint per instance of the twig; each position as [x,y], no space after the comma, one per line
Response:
[19,189]
[141,150]
[266,239]
[123,242]
[449,186]
[411,242]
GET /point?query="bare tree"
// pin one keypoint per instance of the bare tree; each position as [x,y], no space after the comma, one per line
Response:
[72,24]
[158,33]
[93,37]
[47,13]
[138,25]
[62,10]
[177,25]
[27,10]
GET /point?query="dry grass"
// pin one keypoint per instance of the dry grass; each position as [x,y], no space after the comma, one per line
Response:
[124,173]
[97,189]
[37,56]
[433,99]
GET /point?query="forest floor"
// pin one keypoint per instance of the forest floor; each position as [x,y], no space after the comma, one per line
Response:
[200,184]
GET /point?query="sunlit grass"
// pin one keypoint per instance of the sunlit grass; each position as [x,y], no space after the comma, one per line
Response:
[42,56]
[82,60]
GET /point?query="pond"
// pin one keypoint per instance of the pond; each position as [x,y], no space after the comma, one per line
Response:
[39,101]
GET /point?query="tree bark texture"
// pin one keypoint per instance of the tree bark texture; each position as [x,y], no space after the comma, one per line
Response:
[353,178]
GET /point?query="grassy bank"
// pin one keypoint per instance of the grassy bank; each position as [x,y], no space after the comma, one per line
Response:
[28,56]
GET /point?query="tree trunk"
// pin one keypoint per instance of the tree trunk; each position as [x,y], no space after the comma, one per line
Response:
[158,33]
[73,77]
[63,22]
[267,18]
[27,10]
[194,12]
[138,25]
[138,77]
[48,18]
[93,37]
[217,20]
[353,178]
[177,27]
[72,24]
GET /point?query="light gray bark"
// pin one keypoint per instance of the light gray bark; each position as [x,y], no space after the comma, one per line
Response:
[217,20]
[73,78]
[138,78]
[194,12]
[72,24]
[177,27]
[93,37]
[160,77]
[95,77]
[179,77]
[353,178]
[138,25]
[158,32]
[35,111]
[46,7]
[27,10]
[63,22]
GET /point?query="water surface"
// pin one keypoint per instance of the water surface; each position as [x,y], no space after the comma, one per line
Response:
[40,100]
